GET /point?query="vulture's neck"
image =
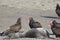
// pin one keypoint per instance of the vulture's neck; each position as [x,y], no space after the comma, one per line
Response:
[54,24]
[32,21]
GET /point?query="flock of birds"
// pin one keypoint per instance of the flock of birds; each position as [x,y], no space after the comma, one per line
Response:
[36,27]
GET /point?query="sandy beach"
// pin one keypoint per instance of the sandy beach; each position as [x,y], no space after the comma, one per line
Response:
[41,10]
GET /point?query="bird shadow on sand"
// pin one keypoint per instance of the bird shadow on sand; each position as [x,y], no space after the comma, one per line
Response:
[50,17]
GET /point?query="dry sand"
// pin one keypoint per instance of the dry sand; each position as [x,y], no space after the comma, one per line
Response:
[40,10]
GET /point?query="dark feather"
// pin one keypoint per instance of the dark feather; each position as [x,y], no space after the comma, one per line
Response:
[58,10]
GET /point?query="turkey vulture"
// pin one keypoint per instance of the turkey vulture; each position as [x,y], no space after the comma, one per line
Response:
[13,29]
[33,23]
[58,10]
[55,27]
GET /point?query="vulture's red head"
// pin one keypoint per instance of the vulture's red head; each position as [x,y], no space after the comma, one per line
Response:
[19,20]
[51,22]
[30,18]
